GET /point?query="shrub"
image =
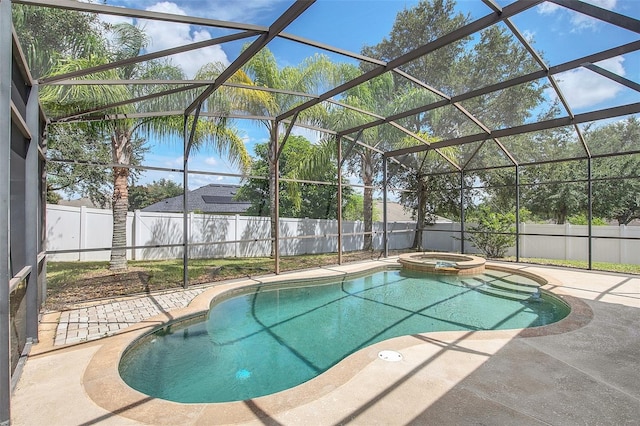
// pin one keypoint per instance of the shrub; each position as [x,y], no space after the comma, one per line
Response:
[493,232]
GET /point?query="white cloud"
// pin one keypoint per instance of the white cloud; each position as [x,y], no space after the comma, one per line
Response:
[197,181]
[211,161]
[605,4]
[165,35]
[239,10]
[547,8]
[578,20]
[584,88]
[177,161]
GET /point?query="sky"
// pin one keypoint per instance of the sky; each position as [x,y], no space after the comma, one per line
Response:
[559,34]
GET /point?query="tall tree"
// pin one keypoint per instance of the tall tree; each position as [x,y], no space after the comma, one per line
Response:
[311,76]
[382,96]
[141,196]
[77,35]
[459,67]
[315,201]
[616,190]
[554,195]
[128,41]
[49,35]
[462,66]
[429,190]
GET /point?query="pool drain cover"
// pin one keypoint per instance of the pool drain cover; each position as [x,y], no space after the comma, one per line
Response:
[390,356]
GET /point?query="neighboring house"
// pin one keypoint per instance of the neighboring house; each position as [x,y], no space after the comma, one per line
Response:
[213,198]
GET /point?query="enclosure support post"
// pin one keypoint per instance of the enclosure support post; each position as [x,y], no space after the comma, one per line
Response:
[276,206]
[517,213]
[5,179]
[339,198]
[384,206]
[185,203]
[32,197]
[590,211]
[461,211]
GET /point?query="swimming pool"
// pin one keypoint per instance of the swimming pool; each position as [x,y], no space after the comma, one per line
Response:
[279,336]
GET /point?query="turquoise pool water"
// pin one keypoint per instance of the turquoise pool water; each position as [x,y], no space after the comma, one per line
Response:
[276,338]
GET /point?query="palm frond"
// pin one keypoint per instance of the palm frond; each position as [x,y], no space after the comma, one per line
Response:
[69,99]
[224,139]
[322,158]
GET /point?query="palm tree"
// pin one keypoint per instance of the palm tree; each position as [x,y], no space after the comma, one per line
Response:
[386,96]
[129,42]
[311,76]
[378,95]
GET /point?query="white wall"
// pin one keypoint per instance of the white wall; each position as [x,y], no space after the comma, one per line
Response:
[72,228]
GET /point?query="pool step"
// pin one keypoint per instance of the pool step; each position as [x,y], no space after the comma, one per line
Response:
[472,282]
[518,288]
[506,294]
[509,290]
[516,280]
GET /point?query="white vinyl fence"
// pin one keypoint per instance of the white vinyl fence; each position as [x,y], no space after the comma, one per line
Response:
[73,228]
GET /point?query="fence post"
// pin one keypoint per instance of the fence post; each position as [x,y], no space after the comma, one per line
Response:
[192,221]
[82,238]
[622,233]
[567,241]
[306,224]
[236,229]
[454,246]
[523,240]
[135,232]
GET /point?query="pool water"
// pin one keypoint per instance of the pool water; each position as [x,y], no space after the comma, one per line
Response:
[276,338]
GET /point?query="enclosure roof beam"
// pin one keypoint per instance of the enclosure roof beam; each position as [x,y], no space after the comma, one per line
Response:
[143,14]
[154,114]
[286,135]
[612,76]
[140,14]
[552,80]
[22,63]
[453,36]
[463,110]
[528,128]
[424,142]
[349,148]
[277,27]
[149,56]
[332,49]
[616,51]
[493,5]
[127,102]
[601,14]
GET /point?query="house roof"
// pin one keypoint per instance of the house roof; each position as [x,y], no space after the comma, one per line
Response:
[212,198]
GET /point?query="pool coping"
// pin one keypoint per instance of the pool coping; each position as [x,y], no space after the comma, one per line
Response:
[104,386]
[463,264]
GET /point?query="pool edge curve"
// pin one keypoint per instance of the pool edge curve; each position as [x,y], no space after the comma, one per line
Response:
[103,384]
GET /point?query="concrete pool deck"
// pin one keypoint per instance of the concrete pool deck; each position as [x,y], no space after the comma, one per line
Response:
[582,370]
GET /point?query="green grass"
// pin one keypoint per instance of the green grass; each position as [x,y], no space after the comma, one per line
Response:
[71,283]
[582,264]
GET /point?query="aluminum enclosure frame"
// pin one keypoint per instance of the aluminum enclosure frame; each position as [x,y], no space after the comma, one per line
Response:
[31,120]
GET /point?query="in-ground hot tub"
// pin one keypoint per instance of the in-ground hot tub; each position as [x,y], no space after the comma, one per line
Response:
[443,263]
